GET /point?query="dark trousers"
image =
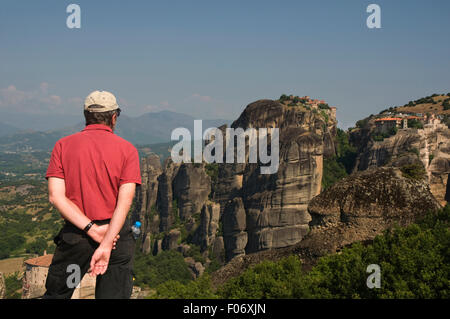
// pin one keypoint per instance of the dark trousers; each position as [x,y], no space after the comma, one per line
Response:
[73,246]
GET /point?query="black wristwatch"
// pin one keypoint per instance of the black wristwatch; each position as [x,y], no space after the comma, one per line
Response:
[88,226]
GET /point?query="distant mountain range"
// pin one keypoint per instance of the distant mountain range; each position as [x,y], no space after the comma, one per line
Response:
[39,122]
[6,129]
[149,128]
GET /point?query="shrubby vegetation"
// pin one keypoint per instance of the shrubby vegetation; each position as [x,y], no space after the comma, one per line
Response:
[424,100]
[414,263]
[430,158]
[10,242]
[325,116]
[333,171]
[362,123]
[151,271]
[446,104]
[341,165]
[195,253]
[25,165]
[212,169]
[446,120]
[27,223]
[13,284]
[283,98]
[37,246]
[413,123]
[378,137]
[198,289]
[414,171]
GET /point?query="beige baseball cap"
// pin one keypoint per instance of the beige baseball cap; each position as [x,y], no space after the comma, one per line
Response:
[100,101]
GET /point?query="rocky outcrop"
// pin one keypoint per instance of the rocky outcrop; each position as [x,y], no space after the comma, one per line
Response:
[276,205]
[357,208]
[170,240]
[150,170]
[146,243]
[165,195]
[209,225]
[157,247]
[430,146]
[372,200]
[146,196]
[196,268]
[218,249]
[173,199]
[234,226]
[191,187]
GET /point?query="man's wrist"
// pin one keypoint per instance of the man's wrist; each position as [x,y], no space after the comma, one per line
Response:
[107,244]
[92,230]
[88,227]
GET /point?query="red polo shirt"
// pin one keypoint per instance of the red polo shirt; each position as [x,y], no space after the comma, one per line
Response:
[94,163]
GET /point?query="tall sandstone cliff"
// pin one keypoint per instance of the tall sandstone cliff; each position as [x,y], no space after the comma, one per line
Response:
[275,206]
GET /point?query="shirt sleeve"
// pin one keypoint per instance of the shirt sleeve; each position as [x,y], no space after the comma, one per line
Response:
[131,172]
[55,167]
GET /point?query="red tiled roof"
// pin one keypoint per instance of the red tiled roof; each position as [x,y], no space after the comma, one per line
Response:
[389,119]
[42,261]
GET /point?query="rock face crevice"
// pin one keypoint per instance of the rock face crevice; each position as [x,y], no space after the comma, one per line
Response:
[146,196]
[191,187]
[164,202]
[234,225]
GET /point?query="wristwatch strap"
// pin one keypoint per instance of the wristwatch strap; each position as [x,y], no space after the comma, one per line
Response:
[88,226]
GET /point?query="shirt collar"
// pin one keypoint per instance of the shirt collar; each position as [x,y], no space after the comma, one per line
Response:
[97,127]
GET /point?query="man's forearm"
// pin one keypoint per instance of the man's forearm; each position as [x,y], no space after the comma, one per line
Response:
[70,211]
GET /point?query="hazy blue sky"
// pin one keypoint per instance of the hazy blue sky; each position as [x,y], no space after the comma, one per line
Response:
[211,58]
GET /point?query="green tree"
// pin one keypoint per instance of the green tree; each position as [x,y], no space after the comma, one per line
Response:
[413,123]
[342,164]
[38,246]
[414,262]
[198,289]
[266,280]
[13,285]
[413,171]
[151,271]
